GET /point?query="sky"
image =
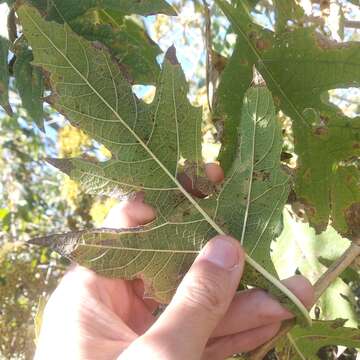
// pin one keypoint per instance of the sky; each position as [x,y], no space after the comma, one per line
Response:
[4,10]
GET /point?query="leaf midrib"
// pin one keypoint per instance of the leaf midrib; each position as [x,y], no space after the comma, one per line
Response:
[294,345]
[133,133]
[211,222]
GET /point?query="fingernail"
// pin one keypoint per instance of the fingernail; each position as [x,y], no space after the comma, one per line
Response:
[221,252]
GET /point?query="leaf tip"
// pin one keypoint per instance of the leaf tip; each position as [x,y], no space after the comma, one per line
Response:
[65,165]
[64,244]
[170,55]
[8,109]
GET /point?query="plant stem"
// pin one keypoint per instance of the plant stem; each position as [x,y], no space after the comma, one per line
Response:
[11,25]
[352,24]
[335,269]
[320,286]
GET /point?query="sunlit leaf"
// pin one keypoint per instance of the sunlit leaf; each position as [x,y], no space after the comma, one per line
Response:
[300,67]
[300,249]
[147,143]
[304,344]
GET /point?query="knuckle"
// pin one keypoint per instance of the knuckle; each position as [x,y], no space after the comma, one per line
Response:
[207,291]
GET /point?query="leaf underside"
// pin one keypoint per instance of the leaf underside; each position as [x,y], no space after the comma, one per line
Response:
[147,142]
[300,66]
[30,84]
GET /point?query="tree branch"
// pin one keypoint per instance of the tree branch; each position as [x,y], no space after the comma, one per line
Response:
[352,24]
[208,46]
[11,25]
[320,21]
[320,286]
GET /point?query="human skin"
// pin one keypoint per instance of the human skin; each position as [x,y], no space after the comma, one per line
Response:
[90,317]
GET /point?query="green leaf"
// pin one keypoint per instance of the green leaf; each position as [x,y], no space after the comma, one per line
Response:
[345,198]
[66,10]
[287,12]
[300,249]
[299,67]
[127,41]
[3,213]
[30,84]
[147,142]
[4,75]
[304,344]
[105,22]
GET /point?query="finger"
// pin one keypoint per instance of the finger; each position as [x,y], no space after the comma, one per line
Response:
[238,343]
[130,213]
[254,308]
[201,300]
[139,289]
[135,212]
[214,172]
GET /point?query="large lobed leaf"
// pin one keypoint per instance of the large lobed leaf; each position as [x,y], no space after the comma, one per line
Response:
[304,344]
[299,66]
[299,249]
[105,21]
[147,143]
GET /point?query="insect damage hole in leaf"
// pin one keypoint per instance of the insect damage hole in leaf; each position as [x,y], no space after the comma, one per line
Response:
[146,142]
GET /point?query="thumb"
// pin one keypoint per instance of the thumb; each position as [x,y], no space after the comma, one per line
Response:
[202,298]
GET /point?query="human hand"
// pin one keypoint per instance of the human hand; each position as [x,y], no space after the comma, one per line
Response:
[91,317]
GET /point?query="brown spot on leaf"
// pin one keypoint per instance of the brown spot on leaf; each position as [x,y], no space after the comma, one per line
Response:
[277,101]
[261,175]
[285,156]
[253,35]
[219,62]
[324,120]
[352,217]
[262,44]
[338,323]
[321,130]
[307,174]
[244,62]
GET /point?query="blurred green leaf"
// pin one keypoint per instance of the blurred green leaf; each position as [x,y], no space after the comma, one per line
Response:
[127,41]
[3,213]
[300,249]
[30,84]
[4,75]
[66,10]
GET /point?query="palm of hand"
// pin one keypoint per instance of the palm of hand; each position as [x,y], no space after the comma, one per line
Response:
[95,317]
[92,317]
